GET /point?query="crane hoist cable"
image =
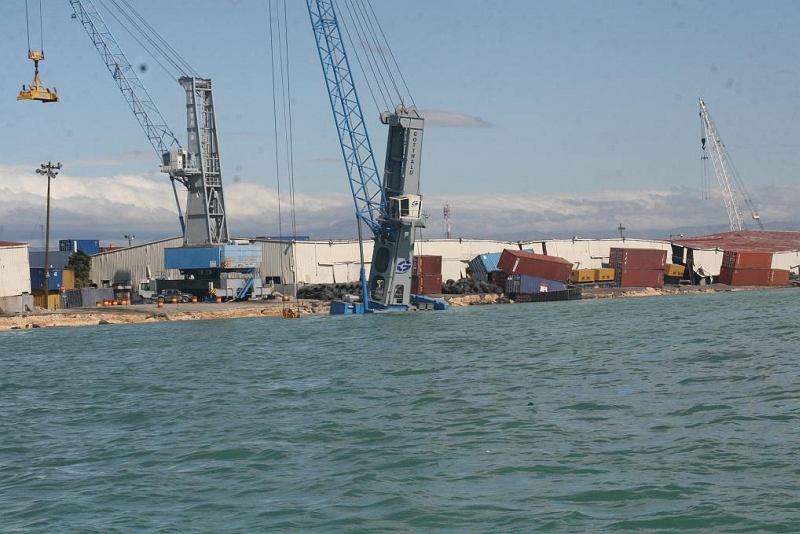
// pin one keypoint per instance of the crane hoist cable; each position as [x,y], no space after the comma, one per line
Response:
[36,90]
[284,156]
[157,46]
[370,47]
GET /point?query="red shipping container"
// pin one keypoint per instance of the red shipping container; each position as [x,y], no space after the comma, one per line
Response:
[747,260]
[778,277]
[427,265]
[550,267]
[637,258]
[426,285]
[639,278]
[744,277]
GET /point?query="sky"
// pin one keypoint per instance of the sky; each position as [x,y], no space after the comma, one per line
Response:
[543,118]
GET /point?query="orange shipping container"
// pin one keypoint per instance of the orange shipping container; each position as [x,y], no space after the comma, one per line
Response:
[778,277]
[539,265]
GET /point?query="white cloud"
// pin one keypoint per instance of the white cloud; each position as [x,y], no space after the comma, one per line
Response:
[107,208]
[449,119]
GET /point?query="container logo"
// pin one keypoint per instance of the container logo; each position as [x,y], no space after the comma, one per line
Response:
[403,266]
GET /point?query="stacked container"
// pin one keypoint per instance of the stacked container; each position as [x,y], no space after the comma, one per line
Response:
[749,269]
[538,265]
[426,275]
[638,267]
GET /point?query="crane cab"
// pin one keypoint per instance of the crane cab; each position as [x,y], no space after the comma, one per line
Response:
[37,91]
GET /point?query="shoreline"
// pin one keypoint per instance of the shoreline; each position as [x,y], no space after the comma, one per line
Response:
[201,311]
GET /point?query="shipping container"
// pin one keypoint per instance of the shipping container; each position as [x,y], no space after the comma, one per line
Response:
[640,277]
[38,279]
[637,258]
[744,277]
[521,283]
[580,276]
[747,260]
[672,269]
[778,277]
[605,274]
[483,265]
[426,285]
[89,246]
[67,278]
[539,265]
[427,265]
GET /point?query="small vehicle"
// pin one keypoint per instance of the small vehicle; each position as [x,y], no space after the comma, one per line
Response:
[167,295]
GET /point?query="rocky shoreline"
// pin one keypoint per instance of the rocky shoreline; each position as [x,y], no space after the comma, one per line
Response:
[144,313]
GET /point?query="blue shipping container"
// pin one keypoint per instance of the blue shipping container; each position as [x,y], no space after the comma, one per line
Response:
[37,278]
[89,246]
[192,258]
[522,283]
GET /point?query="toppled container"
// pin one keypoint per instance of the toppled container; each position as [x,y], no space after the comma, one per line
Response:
[539,265]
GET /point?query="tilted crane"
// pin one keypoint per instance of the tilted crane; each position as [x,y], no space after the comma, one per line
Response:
[197,168]
[391,208]
[726,174]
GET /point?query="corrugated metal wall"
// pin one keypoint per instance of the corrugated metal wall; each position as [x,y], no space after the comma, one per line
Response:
[15,273]
[129,265]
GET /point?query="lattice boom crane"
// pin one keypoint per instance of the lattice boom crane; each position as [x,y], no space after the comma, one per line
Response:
[726,174]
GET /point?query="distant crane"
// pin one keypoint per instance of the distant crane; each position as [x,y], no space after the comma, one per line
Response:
[448,233]
[726,174]
[197,168]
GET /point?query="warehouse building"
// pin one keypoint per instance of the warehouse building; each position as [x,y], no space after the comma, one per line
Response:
[15,278]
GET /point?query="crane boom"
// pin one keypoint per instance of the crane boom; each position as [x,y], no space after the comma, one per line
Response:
[146,112]
[726,175]
[362,172]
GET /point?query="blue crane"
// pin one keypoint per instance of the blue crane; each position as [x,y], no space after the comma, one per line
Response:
[391,207]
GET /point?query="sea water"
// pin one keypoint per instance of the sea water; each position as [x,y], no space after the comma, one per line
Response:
[668,414]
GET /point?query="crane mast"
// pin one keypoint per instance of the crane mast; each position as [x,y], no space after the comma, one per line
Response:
[725,173]
[198,169]
[391,208]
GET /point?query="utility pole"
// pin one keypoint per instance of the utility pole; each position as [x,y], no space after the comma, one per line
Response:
[51,171]
[621,229]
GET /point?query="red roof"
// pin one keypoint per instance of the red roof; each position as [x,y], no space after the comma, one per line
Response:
[744,241]
[11,244]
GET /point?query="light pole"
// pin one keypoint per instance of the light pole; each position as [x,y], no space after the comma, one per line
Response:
[51,171]
[130,238]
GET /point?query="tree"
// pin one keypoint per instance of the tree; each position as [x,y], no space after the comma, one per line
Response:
[81,263]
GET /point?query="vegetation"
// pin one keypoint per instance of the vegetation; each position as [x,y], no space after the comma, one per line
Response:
[81,263]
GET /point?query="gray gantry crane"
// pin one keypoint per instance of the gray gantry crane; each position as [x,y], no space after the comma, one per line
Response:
[726,174]
[197,168]
[209,261]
